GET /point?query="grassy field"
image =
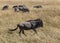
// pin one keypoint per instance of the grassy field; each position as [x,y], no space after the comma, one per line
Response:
[50,14]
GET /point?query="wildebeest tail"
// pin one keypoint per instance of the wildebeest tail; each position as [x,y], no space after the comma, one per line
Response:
[14,29]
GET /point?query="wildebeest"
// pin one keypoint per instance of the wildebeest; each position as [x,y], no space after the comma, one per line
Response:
[37,6]
[16,9]
[29,25]
[5,7]
[23,8]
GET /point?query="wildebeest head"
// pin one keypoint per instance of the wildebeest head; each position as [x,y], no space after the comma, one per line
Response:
[40,22]
[37,23]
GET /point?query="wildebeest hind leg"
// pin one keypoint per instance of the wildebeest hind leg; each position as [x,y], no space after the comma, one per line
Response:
[20,32]
[23,32]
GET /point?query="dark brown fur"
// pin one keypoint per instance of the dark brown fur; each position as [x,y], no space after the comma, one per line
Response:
[28,25]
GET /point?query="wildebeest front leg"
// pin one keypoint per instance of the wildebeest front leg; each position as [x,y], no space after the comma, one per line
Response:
[35,31]
[23,32]
[20,32]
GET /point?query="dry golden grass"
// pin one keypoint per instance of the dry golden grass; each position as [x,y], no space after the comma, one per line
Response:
[50,14]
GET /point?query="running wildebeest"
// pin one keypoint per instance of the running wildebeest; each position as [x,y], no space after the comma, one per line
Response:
[38,6]
[23,8]
[5,7]
[16,9]
[29,25]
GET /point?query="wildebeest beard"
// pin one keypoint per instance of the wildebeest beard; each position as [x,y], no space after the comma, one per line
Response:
[30,24]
